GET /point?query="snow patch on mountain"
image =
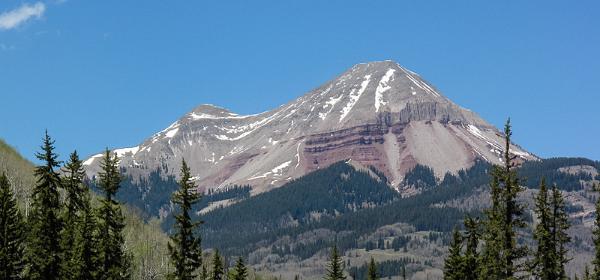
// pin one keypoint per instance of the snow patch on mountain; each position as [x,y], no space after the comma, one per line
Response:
[90,160]
[355,96]
[383,87]
[124,151]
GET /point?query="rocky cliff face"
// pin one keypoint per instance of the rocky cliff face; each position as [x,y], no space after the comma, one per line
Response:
[377,113]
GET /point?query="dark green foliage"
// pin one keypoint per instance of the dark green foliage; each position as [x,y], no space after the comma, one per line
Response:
[545,254]
[400,242]
[149,193]
[420,176]
[114,262]
[502,254]
[471,259]
[184,248]
[217,270]
[453,265]
[337,189]
[533,171]
[235,193]
[372,273]
[335,266]
[43,242]
[240,272]
[74,189]
[559,224]
[239,228]
[11,233]
[86,242]
[385,269]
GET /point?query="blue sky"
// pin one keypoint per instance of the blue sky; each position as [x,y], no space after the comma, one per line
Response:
[110,73]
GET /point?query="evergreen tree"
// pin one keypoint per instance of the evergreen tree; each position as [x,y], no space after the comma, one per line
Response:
[184,248]
[217,267]
[86,241]
[114,262]
[335,267]
[560,238]
[502,255]
[453,265]
[11,233]
[543,262]
[43,242]
[471,258]
[240,272]
[372,270]
[72,182]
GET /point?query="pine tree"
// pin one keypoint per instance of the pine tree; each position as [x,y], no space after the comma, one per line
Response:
[453,265]
[217,267]
[471,258]
[240,272]
[184,248]
[560,238]
[543,262]
[86,241]
[43,242]
[372,271]
[114,262]
[502,255]
[11,233]
[73,185]
[335,267]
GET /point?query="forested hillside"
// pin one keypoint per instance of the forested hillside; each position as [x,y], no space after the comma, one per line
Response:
[145,240]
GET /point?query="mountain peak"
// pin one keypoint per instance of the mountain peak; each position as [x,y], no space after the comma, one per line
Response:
[207,111]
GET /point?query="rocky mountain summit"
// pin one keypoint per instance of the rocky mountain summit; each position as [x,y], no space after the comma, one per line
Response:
[376,114]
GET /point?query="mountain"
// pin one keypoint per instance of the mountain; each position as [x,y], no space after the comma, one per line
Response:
[377,114]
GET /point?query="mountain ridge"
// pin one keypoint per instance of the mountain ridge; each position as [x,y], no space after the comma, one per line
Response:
[376,113]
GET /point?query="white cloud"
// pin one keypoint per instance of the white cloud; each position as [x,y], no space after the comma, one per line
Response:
[16,17]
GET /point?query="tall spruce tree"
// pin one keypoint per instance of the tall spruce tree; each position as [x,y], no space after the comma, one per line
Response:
[86,241]
[184,248]
[11,233]
[453,265]
[44,223]
[335,267]
[559,226]
[240,271]
[502,255]
[471,257]
[545,255]
[218,270]
[114,261]
[372,271]
[72,182]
